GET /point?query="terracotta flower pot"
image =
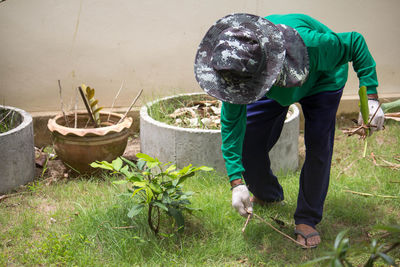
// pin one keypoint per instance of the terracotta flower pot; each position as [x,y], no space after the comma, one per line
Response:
[78,147]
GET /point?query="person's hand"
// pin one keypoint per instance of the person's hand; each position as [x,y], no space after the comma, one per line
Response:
[379,118]
[241,200]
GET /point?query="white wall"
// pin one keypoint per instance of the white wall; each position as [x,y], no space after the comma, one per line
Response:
[151,44]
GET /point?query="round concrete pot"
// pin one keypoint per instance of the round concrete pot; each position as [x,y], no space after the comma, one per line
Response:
[78,147]
[17,152]
[184,146]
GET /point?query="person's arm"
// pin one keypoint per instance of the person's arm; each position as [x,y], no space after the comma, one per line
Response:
[233,128]
[335,49]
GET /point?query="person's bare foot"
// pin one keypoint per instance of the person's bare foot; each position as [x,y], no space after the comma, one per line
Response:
[307,235]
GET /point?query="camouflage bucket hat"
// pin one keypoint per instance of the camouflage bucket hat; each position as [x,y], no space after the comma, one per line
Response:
[240,58]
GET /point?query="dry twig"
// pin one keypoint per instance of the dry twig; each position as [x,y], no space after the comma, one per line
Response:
[115,98]
[123,227]
[387,164]
[246,223]
[62,103]
[274,228]
[130,107]
[369,194]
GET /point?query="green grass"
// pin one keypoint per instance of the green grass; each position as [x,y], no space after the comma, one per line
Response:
[73,222]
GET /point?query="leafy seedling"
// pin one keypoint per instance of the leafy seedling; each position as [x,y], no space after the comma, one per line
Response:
[157,185]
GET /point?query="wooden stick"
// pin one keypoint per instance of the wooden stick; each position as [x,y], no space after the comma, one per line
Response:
[247,222]
[277,230]
[129,109]
[3,197]
[62,104]
[87,107]
[75,109]
[115,98]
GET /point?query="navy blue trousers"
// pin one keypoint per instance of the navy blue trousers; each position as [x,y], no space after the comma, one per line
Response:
[265,119]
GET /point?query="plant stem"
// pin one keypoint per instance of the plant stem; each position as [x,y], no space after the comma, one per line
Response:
[365,147]
[150,220]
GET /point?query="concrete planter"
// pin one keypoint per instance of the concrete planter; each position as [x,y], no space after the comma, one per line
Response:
[78,147]
[17,152]
[185,146]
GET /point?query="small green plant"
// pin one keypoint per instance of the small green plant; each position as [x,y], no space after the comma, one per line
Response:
[158,186]
[338,257]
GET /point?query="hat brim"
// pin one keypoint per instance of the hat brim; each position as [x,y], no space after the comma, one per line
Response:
[273,43]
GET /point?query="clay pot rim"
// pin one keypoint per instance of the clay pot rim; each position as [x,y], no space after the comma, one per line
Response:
[101,131]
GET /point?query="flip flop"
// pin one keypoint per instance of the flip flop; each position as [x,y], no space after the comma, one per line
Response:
[298,232]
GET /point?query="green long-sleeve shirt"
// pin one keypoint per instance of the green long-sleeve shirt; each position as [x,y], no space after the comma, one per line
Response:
[329,54]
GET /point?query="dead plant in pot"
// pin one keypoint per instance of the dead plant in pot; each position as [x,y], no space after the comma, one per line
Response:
[80,138]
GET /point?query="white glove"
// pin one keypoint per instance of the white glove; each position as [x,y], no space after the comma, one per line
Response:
[241,200]
[379,116]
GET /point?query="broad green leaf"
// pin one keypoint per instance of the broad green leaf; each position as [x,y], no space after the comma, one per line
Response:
[184,177]
[141,164]
[182,202]
[102,164]
[389,228]
[130,163]
[135,210]
[125,171]
[136,191]
[117,164]
[120,182]
[178,216]
[136,177]
[153,164]
[139,184]
[149,194]
[94,103]
[156,188]
[170,168]
[160,205]
[387,259]
[185,169]
[97,110]
[166,198]
[339,238]
[203,168]
[145,157]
